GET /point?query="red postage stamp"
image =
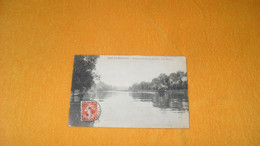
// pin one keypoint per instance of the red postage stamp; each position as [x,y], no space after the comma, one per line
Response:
[90,110]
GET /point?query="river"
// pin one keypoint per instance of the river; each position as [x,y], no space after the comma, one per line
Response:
[138,109]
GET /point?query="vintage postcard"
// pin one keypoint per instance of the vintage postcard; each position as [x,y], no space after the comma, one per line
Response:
[129,91]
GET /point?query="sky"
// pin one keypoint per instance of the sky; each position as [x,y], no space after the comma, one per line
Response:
[124,71]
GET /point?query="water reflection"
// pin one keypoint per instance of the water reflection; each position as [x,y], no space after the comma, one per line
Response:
[176,100]
[144,97]
[98,96]
[101,95]
[135,109]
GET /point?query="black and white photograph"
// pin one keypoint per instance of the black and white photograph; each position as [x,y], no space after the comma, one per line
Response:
[129,91]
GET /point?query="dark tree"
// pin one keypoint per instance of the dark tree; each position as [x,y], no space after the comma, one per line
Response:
[164,79]
[184,85]
[83,75]
[155,83]
[177,80]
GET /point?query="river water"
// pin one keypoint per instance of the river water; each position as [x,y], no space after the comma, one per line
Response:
[139,109]
[143,109]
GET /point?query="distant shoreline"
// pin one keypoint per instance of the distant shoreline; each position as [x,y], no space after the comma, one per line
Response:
[142,91]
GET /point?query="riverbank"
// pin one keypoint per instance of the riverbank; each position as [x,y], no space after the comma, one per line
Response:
[167,91]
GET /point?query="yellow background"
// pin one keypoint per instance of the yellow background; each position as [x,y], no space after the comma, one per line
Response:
[220,39]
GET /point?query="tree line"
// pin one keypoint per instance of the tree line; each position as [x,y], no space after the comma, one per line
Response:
[172,81]
[83,72]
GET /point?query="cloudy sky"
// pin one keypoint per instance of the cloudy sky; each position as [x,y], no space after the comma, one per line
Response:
[127,70]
